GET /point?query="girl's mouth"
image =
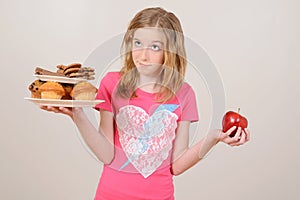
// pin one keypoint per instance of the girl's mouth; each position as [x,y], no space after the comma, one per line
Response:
[143,65]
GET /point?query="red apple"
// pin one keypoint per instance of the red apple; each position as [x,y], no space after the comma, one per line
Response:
[231,119]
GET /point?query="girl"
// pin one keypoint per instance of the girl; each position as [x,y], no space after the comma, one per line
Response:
[144,128]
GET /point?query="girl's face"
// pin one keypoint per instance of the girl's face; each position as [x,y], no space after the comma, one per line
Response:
[147,51]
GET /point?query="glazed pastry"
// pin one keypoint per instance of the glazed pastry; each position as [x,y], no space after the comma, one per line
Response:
[52,90]
[84,91]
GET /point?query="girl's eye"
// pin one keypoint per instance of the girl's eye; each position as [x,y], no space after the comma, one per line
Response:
[137,43]
[155,47]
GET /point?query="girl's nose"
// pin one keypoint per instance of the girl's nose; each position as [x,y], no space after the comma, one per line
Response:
[144,54]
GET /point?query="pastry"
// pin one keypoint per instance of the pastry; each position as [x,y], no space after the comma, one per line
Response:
[41,71]
[52,90]
[68,88]
[74,65]
[84,91]
[34,88]
[60,72]
[84,72]
[61,67]
[69,71]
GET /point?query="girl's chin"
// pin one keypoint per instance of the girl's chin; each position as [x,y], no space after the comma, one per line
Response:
[148,72]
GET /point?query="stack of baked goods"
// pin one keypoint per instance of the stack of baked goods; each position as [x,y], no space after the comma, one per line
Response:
[82,90]
[74,70]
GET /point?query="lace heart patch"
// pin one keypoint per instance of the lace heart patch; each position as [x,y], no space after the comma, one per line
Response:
[146,140]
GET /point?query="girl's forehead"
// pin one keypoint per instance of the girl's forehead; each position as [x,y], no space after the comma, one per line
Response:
[149,34]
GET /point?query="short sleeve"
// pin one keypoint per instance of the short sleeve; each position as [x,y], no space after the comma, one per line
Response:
[188,103]
[106,90]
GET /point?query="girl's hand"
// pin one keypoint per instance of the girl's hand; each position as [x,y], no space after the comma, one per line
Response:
[62,110]
[241,136]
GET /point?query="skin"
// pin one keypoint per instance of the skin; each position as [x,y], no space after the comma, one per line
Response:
[148,57]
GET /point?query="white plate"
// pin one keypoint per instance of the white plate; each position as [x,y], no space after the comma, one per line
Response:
[64,103]
[60,79]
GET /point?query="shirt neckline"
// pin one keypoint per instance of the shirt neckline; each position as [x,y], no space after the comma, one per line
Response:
[139,90]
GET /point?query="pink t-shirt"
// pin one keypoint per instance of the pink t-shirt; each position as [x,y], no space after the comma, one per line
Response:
[143,139]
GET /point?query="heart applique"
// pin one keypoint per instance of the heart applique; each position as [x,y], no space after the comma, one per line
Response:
[146,140]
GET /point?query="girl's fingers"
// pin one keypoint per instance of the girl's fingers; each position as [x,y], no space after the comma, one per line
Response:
[66,111]
[48,108]
[247,134]
[241,136]
[230,130]
[237,135]
[62,110]
[241,141]
[233,141]
[43,107]
[53,109]
[224,137]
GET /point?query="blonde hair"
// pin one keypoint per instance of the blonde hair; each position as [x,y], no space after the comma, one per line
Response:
[174,64]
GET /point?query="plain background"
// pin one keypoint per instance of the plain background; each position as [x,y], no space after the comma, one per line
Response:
[254,45]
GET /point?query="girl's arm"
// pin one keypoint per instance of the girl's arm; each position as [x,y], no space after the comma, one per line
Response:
[99,141]
[185,157]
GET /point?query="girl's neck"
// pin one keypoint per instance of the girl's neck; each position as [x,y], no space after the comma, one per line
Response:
[149,84]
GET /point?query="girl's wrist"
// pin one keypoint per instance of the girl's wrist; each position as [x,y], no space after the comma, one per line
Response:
[77,113]
[214,136]
[77,110]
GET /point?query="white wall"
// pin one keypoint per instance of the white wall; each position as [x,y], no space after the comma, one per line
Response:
[253,44]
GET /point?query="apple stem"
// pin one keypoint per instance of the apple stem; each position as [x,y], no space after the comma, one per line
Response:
[239,110]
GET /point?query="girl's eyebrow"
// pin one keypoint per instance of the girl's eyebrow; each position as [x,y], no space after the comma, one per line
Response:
[157,41]
[154,41]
